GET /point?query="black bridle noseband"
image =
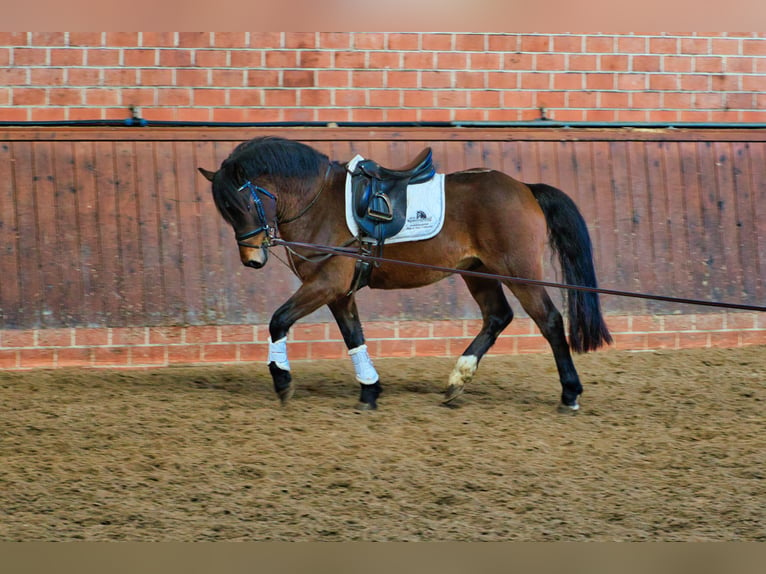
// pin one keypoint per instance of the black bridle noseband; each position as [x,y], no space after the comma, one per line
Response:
[255,190]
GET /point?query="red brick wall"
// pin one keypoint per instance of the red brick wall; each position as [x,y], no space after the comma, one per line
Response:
[162,346]
[346,76]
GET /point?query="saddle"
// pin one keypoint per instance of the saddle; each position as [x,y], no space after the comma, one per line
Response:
[379,194]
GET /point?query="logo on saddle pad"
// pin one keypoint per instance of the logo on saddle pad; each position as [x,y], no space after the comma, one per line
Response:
[387,210]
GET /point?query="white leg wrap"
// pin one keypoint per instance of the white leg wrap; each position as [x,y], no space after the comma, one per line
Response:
[365,371]
[278,353]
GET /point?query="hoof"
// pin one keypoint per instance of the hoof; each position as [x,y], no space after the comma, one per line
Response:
[568,409]
[452,392]
[364,407]
[286,394]
[283,384]
[368,397]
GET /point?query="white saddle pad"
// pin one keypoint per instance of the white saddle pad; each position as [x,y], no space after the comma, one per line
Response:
[425,208]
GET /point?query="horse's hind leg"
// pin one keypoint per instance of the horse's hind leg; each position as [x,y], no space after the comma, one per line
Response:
[496,314]
[346,315]
[543,312]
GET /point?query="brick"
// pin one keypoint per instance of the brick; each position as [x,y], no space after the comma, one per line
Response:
[174,97]
[395,348]
[175,58]
[110,356]
[300,351]
[14,338]
[229,39]
[228,78]
[437,42]
[535,43]
[646,323]
[141,57]
[47,76]
[156,77]
[741,320]
[166,335]
[431,348]
[334,40]
[159,39]
[504,42]
[194,39]
[369,41]
[550,62]
[663,45]
[309,332]
[536,344]
[67,57]
[179,354]
[33,358]
[753,337]
[505,345]
[118,39]
[220,353]
[613,63]
[298,79]
[724,339]
[567,43]
[55,337]
[693,340]
[48,39]
[9,359]
[603,44]
[102,57]
[451,60]
[47,114]
[419,60]
[350,98]
[30,56]
[630,342]
[632,45]
[599,81]
[148,355]
[99,97]
[471,80]
[320,350]
[253,352]
[281,98]
[130,336]
[212,58]
[29,96]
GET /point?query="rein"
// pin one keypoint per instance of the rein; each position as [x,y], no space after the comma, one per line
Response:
[345,252]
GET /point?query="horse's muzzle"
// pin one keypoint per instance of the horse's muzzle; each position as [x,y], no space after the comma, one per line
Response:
[255,257]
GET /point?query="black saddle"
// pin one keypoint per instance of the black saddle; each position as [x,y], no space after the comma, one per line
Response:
[379,194]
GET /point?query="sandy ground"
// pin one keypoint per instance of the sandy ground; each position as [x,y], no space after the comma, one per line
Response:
[667,446]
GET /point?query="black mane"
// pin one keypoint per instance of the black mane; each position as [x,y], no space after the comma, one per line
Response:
[267,157]
[275,157]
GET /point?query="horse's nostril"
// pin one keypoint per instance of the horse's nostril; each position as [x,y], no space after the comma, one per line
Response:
[254,264]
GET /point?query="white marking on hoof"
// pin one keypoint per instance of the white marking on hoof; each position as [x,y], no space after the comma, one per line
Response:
[463,371]
[568,408]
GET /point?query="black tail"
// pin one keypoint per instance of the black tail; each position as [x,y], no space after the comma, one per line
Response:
[569,238]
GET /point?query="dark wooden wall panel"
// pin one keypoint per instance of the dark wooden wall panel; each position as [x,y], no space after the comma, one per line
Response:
[117,228]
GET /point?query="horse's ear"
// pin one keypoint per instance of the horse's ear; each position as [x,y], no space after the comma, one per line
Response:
[209,175]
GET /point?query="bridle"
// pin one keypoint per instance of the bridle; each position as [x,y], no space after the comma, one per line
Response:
[263,223]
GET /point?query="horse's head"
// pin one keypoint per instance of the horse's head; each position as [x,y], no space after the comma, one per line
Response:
[251,210]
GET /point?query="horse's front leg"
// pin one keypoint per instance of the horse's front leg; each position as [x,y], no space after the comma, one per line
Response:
[307,299]
[346,315]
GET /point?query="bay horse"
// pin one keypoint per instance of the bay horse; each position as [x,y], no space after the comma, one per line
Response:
[493,223]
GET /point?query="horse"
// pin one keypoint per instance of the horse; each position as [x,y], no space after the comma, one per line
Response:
[273,187]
